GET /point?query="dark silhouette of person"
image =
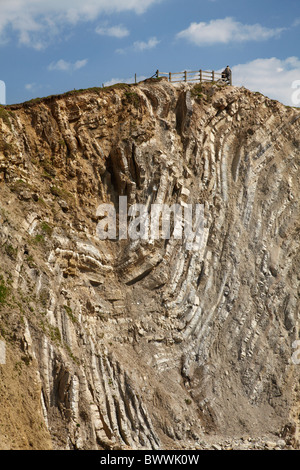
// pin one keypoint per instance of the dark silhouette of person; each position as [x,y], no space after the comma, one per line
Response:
[226,74]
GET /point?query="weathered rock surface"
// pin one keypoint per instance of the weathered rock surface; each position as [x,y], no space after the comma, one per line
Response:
[148,344]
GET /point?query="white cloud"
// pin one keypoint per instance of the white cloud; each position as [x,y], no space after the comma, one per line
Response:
[33,87]
[118,31]
[36,22]
[142,46]
[225,31]
[272,77]
[296,22]
[66,66]
[30,86]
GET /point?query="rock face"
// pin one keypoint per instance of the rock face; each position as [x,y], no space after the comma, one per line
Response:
[147,344]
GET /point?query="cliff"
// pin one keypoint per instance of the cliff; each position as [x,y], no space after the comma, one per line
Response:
[148,344]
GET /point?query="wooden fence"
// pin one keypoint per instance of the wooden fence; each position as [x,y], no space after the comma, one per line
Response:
[193,76]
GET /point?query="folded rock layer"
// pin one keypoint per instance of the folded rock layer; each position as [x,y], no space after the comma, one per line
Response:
[149,343]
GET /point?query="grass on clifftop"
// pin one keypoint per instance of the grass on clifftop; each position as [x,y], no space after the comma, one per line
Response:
[99,90]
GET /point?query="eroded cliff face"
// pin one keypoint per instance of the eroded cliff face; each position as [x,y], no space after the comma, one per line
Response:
[147,344]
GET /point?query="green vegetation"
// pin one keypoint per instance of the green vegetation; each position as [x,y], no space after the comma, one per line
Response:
[74,358]
[70,313]
[48,171]
[47,166]
[44,297]
[20,185]
[46,228]
[38,238]
[30,261]
[41,202]
[10,250]
[56,191]
[26,359]
[54,333]
[4,291]
[55,336]
[118,86]
[60,192]
[197,91]
[47,175]
[18,367]
[45,99]
[5,115]
[132,98]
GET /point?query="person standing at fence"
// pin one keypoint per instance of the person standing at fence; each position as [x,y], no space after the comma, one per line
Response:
[226,74]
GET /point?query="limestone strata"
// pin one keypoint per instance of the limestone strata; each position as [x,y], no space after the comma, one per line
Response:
[149,344]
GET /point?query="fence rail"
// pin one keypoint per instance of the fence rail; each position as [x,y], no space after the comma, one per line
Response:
[193,76]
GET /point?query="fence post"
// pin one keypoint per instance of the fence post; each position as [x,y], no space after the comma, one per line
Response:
[157,73]
[213,75]
[135,78]
[200,76]
[185,76]
[170,76]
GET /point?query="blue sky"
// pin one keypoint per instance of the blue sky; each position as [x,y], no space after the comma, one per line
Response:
[49,47]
